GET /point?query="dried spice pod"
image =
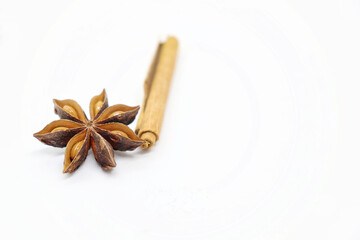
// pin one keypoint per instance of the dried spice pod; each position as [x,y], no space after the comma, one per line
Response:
[103,151]
[59,138]
[73,161]
[69,109]
[118,113]
[120,136]
[98,105]
[105,131]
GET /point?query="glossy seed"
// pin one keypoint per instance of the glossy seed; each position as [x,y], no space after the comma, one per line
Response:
[98,106]
[115,113]
[70,110]
[75,149]
[120,132]
[59,129]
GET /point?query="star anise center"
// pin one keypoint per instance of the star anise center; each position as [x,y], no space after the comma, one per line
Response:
[89,124]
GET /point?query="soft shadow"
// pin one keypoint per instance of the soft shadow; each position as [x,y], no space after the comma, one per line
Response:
[123,155]
[68,175]
[131,155]
[143,151]
[109,171]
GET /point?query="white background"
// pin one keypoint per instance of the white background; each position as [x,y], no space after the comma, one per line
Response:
[261,133]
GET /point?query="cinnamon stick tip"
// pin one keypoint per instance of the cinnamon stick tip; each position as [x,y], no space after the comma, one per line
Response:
[149,138]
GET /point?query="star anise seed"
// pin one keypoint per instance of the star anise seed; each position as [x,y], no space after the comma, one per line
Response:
[105,132]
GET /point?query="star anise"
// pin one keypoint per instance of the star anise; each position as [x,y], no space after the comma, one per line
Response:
[105,131]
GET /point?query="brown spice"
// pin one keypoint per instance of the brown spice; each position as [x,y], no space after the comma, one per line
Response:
[157,85]
[105,132]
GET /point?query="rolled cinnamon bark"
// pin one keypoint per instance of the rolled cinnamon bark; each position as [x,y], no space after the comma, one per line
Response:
[156,86]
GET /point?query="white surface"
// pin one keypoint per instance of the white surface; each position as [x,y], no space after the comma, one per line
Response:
[260,138]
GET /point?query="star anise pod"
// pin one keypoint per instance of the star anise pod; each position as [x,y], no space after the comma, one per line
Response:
[105,131]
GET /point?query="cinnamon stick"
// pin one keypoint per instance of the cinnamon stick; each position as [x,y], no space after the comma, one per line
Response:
[157,84]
